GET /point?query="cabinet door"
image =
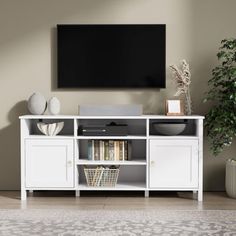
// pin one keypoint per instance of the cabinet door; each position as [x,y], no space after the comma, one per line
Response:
[173,163]
[49,163]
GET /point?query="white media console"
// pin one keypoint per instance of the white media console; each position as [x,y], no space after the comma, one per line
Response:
[157,162]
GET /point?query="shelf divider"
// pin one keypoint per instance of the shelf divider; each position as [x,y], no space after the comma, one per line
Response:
[112,137]
[133,162]
[119,186]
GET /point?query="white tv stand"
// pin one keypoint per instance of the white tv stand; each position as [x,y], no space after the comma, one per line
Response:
[160,163]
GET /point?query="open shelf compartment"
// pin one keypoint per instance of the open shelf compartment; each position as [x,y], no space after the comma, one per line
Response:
[136,127]
[136,152]
[130,178]
[190,130]
[67,130]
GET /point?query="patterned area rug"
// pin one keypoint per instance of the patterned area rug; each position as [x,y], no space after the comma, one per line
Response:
[125,223]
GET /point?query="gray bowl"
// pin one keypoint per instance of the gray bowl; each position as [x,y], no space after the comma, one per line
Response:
[169,128]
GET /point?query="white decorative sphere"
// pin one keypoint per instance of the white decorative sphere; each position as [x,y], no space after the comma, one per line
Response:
[54,106]
[37,104]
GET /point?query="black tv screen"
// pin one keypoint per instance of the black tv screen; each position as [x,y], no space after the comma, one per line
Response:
[111,56]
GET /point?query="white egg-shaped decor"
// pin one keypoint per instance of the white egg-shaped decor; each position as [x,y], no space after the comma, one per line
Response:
[54,106]
[37,104]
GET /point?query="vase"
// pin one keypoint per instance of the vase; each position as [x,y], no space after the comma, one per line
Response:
[37,104]
[230,178]
[188,103]
[54,106]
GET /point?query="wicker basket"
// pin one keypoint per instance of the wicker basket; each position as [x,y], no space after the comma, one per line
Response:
[101,177]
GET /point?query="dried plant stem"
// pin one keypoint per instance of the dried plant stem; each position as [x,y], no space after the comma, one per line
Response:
[183,79]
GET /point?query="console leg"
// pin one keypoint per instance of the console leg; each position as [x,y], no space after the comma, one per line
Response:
[77,193]
[200,196]
[146,193]
[23,194]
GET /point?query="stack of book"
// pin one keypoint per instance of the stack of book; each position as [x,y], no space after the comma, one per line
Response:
[108,150]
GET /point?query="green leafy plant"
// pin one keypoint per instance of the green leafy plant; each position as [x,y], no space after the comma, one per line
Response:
[221,119]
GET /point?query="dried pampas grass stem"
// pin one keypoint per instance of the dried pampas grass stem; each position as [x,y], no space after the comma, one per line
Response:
[183,79]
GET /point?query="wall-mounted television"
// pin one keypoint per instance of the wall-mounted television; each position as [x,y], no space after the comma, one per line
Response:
[111,56]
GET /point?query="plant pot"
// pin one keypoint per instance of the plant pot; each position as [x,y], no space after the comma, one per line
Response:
[230,178]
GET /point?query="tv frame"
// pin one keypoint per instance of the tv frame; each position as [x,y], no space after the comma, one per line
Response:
[112,87]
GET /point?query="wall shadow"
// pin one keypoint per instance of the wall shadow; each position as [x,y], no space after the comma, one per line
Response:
[10,148]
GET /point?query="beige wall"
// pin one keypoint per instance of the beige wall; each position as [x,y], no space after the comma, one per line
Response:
[27,61]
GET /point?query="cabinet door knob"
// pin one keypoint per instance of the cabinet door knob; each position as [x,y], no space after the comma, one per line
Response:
[69,163]
[152,162]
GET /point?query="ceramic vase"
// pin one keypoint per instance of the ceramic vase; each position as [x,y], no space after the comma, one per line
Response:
[230,178]
[54,106]
[37,104]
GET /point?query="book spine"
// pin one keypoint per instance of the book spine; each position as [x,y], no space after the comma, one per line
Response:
[111,150]
[115,147]
[117,151]
[129,150]
[121,150]
[100,151]
[90,150]
[125,150]
[96,150]
[98,144]
[106,151]
[103,150]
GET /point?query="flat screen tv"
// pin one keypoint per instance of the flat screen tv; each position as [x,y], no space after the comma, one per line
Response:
[111,56]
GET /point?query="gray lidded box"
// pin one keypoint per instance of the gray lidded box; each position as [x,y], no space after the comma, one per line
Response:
[111,110]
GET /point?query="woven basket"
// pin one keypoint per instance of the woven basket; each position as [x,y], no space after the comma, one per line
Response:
[101,177]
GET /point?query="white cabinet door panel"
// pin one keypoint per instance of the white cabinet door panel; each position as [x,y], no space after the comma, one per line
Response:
[173,163]
[49,163]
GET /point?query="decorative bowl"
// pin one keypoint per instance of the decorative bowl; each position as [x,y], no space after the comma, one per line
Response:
[169,128]
[50,129]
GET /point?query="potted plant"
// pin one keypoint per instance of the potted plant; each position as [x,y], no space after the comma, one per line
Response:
[221,118]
